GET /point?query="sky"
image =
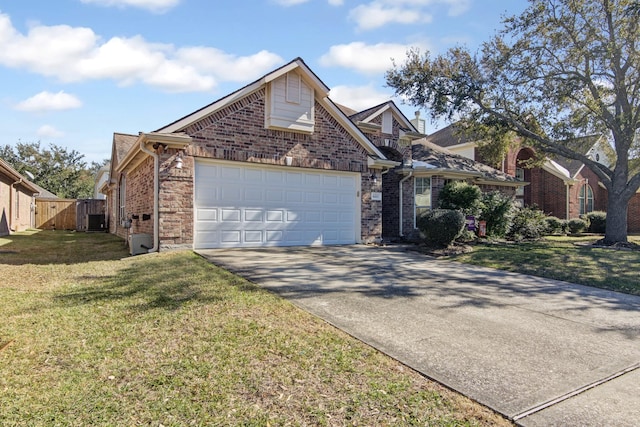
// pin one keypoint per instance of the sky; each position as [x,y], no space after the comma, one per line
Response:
[73,72]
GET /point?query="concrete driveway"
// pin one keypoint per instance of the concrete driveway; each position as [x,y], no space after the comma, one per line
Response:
[539,351]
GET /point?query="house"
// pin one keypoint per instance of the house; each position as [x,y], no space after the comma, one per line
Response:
[275,163]
[17,200]
[560,187]
[102,176]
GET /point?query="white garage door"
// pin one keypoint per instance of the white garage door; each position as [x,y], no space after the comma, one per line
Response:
[241,205]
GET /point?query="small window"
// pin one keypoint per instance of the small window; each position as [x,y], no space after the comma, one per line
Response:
[17,203]
[585,199]
[422,195]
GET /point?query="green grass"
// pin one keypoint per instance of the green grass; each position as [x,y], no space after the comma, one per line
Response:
[90,336]
[564,258]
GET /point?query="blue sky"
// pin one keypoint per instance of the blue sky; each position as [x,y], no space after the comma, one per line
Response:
[75,71]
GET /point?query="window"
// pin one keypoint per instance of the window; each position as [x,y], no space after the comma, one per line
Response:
[17,203]
[422,196]
[585,199]
[122,198]
[520,177]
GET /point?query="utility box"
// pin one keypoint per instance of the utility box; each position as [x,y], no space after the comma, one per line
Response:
[140,243]
[96,222]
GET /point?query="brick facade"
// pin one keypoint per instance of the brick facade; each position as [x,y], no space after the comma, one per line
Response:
[237,133]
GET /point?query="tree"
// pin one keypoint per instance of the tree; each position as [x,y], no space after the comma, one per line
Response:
[562,70]
[56,169]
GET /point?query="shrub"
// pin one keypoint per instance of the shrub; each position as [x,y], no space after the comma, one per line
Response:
[527,223]
[441,226]
[555,225]
[462,196]
[597,221]
[577,225]
[497,209]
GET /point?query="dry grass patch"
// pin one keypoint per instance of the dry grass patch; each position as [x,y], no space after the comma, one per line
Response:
[171,339]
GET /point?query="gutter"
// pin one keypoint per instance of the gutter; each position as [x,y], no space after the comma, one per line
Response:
[401,201]
[156,195]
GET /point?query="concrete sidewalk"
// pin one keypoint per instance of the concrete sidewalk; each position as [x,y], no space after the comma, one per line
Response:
[539,351]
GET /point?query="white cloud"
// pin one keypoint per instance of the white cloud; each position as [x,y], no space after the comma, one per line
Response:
[47,101]
[336,2]
[379,13]
[376,15]
[226,66]
[358,97]
[47,131]
[367,59]
[157,6]
[287,3]
[74,54]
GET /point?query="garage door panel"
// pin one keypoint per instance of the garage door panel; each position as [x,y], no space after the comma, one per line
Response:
[274,196]
[253,215]
[230,236]
[232,173]
[207,214]
[294,179]
[230,215]
[258,205]
[275,216]
[274,236]
[253,195]
[253,236]
[295,196]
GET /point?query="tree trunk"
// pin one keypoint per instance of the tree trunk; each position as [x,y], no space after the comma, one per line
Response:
[616,231]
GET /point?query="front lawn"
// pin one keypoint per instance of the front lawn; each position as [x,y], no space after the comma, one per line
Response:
[563,258]
[90,336]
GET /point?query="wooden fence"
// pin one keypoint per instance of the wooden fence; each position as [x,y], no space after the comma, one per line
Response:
[70,214]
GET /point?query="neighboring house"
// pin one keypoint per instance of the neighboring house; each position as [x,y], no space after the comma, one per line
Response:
[17,200]
[276,163]
[101,179]
[560,187]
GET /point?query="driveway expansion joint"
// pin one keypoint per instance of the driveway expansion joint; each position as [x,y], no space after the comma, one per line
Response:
[574,393]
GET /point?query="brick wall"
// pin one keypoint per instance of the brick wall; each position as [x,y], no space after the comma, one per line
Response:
[139,200]
[176,201]
[237,133]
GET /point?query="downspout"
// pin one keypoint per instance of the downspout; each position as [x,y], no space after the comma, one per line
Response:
[11,197]
[567,186]
[401,200]
[156,196]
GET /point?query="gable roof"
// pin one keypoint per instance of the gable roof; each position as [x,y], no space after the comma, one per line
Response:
[321,92]
[433,159]
[8,170]
[366,116]
[450,136]
[121,145]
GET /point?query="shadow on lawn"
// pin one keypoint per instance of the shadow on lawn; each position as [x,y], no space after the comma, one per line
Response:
[159,282]
[42,247]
